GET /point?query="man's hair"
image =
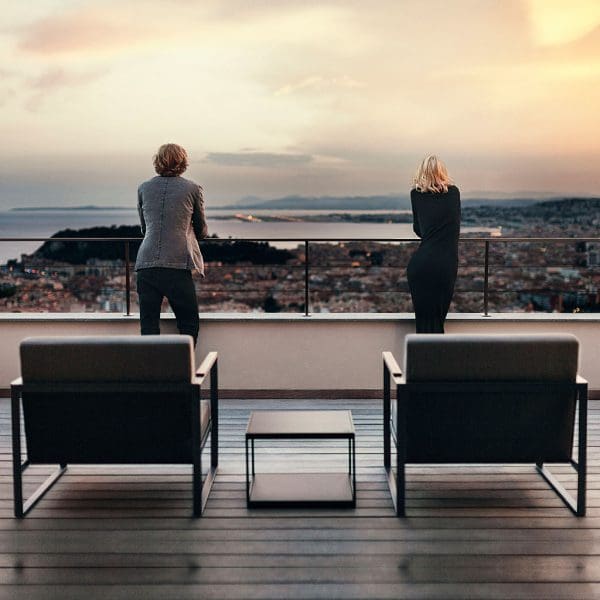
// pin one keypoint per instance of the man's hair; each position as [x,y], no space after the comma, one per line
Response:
[170,160]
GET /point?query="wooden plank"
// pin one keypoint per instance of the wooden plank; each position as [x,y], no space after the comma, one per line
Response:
[306,589]
[323,534]
[192,570]
[352,522]
[460,567]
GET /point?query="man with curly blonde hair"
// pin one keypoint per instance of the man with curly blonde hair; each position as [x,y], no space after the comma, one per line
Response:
[172,219]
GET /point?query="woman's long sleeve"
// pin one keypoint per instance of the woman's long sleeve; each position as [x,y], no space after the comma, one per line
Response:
[416,227]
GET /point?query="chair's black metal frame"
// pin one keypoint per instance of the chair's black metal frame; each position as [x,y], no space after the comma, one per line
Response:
[201,488]
[397,479]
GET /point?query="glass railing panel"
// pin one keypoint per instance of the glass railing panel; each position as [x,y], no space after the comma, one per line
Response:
[504,275]
[66,276]
[247,276]
[548,275]
[251,276]
[359,276]
[468,290]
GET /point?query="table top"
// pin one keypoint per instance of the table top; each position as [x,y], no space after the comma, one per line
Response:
[300,423]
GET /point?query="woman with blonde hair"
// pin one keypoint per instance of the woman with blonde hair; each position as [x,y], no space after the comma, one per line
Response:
[171,211]
[432,268]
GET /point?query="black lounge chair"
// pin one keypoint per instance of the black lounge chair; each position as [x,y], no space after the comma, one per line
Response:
[485,399]
[113,400]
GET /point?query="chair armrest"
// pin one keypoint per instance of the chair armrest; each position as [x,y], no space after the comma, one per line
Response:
[205,366]
[18,382]
[392,366]
[579,380]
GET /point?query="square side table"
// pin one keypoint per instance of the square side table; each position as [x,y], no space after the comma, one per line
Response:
[300,489]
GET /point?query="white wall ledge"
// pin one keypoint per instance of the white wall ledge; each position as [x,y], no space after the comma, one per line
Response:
[288,351]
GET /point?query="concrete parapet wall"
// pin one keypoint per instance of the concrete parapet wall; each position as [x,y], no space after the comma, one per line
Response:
[293,352]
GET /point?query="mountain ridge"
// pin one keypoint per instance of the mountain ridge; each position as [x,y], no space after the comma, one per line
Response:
[374,202]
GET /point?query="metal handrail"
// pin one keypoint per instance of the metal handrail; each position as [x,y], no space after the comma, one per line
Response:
[306,242]
[305,239]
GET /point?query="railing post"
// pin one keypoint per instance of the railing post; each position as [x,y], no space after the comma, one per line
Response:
[127,281]
[306,283]
[486,275]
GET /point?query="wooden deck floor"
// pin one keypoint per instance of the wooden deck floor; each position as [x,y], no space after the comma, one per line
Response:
[116,533]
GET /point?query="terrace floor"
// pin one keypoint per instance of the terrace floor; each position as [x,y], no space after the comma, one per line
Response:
[126,533]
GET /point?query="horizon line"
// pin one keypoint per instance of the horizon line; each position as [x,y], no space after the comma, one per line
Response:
[239,204]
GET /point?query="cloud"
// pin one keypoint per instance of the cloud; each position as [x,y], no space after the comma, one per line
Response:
[7,91]
[257,159]
[8,74]
[84,30]
[6,95]
[56,78]
[113,26]
[350,94]
[320,83]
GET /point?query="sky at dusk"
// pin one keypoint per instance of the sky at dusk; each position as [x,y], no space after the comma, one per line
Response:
[338,97]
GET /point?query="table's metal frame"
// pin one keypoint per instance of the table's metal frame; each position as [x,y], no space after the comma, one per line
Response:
[251,472]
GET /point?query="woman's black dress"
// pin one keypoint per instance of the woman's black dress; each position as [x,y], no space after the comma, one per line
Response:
[432,268]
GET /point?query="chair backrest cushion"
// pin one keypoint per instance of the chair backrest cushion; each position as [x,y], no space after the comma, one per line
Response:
[519,407]
[501,357]
[102,359]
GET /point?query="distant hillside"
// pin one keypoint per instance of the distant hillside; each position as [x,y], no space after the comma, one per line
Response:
[386,202]
[67,208]
[78,253]
[499,202]
[555,212]
[326,203]
[571,205]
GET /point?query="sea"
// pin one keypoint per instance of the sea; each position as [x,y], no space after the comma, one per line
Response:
[224,223]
